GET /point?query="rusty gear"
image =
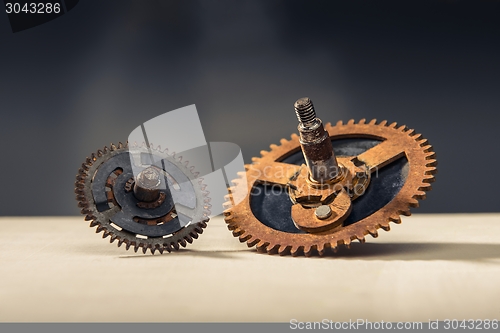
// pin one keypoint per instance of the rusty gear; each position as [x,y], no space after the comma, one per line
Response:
[104,193]
[404,163]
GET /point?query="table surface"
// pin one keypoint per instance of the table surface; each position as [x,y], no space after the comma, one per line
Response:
[429,267]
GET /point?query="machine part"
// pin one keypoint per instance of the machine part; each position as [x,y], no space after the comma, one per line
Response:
[383,170]
[315,144]
[166,206]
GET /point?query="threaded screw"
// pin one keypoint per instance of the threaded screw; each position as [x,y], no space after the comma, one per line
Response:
[304,109]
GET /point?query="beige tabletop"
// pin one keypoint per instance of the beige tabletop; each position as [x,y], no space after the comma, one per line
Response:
[429,267]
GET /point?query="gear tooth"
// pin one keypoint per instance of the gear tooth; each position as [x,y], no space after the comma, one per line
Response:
[120,146]
[427,149]
[252,241]
[89,217]
[136,246]
[255,159]
[182,242]
[361,239]
[362,121]
[431,171]
[120,242]
[264,152]
[153,250]
[294,136]
[339,123]
[105,234]
[167,247]
[272,248]
[179,159]
[423,142]
[373,232]
[296,250]
[99,229]
[383,123]
[262,246]
[413,203]
[283,141]
[405,212]
[350,122]
[335,249]
[420,195]
[321,248]
[402,128]
[430,155]
[417,136]
[100,153]
[284,250]
[188,239]
[105,149]
[186,163]
[94,223]
[347,244]
[245,236]
[425,187]
[193,234]
[237,231]
[409,131]
[160,249]
[396,219]
[385,227]
[175,245]
[393,125]
[373,122]
[127,244]
[273,146]
[112,147]
[309,250]
[428,178]
[112,238]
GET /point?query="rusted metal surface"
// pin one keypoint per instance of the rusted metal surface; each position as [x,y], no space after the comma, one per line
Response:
[397,141]
[316,146]
[102,219]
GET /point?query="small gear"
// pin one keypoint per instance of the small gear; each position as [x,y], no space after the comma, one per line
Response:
[330,186]
[166,206]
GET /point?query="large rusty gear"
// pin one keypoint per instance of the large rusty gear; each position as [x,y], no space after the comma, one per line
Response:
[104,191]
[275,222]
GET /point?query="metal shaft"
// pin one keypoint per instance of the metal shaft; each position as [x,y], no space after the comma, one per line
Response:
[315,143]
[147,185]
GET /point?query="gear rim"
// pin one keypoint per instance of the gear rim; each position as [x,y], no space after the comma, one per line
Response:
[86,203]
[422,163]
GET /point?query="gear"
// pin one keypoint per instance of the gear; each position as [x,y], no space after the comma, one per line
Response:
[142,215]
[382,170]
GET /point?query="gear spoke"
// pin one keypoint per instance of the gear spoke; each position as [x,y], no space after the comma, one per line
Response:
[274,173]
[382,154]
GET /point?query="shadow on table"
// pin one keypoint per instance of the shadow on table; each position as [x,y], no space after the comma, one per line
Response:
[187,252]
[418,251]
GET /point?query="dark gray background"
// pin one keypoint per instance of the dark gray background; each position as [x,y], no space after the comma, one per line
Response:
[75,84]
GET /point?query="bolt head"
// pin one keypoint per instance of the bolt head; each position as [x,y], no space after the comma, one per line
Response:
[323,212]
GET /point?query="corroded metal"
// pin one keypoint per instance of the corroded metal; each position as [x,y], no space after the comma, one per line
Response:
[102,219]
[396,142]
